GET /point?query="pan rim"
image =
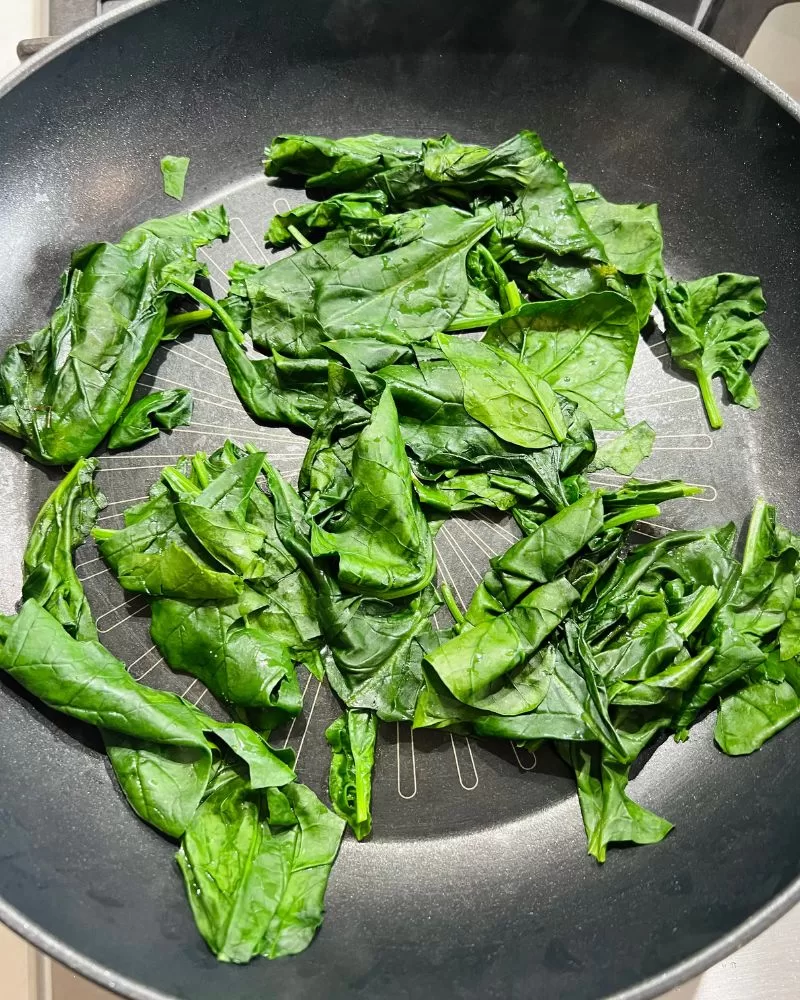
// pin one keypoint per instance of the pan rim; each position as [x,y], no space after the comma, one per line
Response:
[648,989]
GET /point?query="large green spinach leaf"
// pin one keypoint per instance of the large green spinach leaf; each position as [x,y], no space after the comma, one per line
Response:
[62,391]
[583,348]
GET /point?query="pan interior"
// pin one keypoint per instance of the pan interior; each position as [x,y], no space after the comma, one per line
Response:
[476,881]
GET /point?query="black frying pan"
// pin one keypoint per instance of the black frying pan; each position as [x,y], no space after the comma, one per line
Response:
[476,883]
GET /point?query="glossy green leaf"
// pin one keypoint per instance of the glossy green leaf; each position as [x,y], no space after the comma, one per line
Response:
[143,419]
[62,391]
[352,741]
[505,394]
[609,814]
[757,710]
[381,540]
[62,524]
[583,348]
[713,329]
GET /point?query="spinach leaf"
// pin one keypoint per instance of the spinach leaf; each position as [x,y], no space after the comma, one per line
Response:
[626,451]
[265,392]
[505,394]
[561,715]
[402,294]
[221,643]
[758,709]
[713,329]
[376,650]
[479,655]
[143,419]
[84,680]
[153,554]
[256,885]
[410,291]
[464,493]
[381,538]
[316,217]
[631,234]
[164,785]
[174,169]
[536,558]
[583,348]
[62,390]
[609,814]
[217,519]
[337,164]
[62,524]
[352,740]
[755,603]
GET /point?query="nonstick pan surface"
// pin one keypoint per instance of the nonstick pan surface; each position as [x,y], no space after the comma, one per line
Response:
[476,882]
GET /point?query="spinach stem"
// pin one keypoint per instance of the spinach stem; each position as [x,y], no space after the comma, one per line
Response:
[693,617]
[452,606]
[629,514]
[219,311]
[750,555]
[298,237]
[511,294]
[182,321]
[707,392]
[473,322]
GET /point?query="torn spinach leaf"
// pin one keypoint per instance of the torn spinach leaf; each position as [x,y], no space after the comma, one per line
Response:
[403,294]
[625,452]
[174,170]
[759,708]
[713,328]
[609,814]
[63,390]
[62,524]
[380,538]
[220,643]
[143,419]
[352,740]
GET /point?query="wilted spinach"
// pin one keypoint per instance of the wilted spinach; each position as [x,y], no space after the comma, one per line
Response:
[143,419]
[63,390]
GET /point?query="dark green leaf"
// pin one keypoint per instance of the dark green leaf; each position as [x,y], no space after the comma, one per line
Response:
[609,814]
[62,524]
[505,394]
[376,650]
[382,541]
[479,655]
[583,348]
[63,390]
[757,710]
[352,740]
[143,419]
[713,329]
